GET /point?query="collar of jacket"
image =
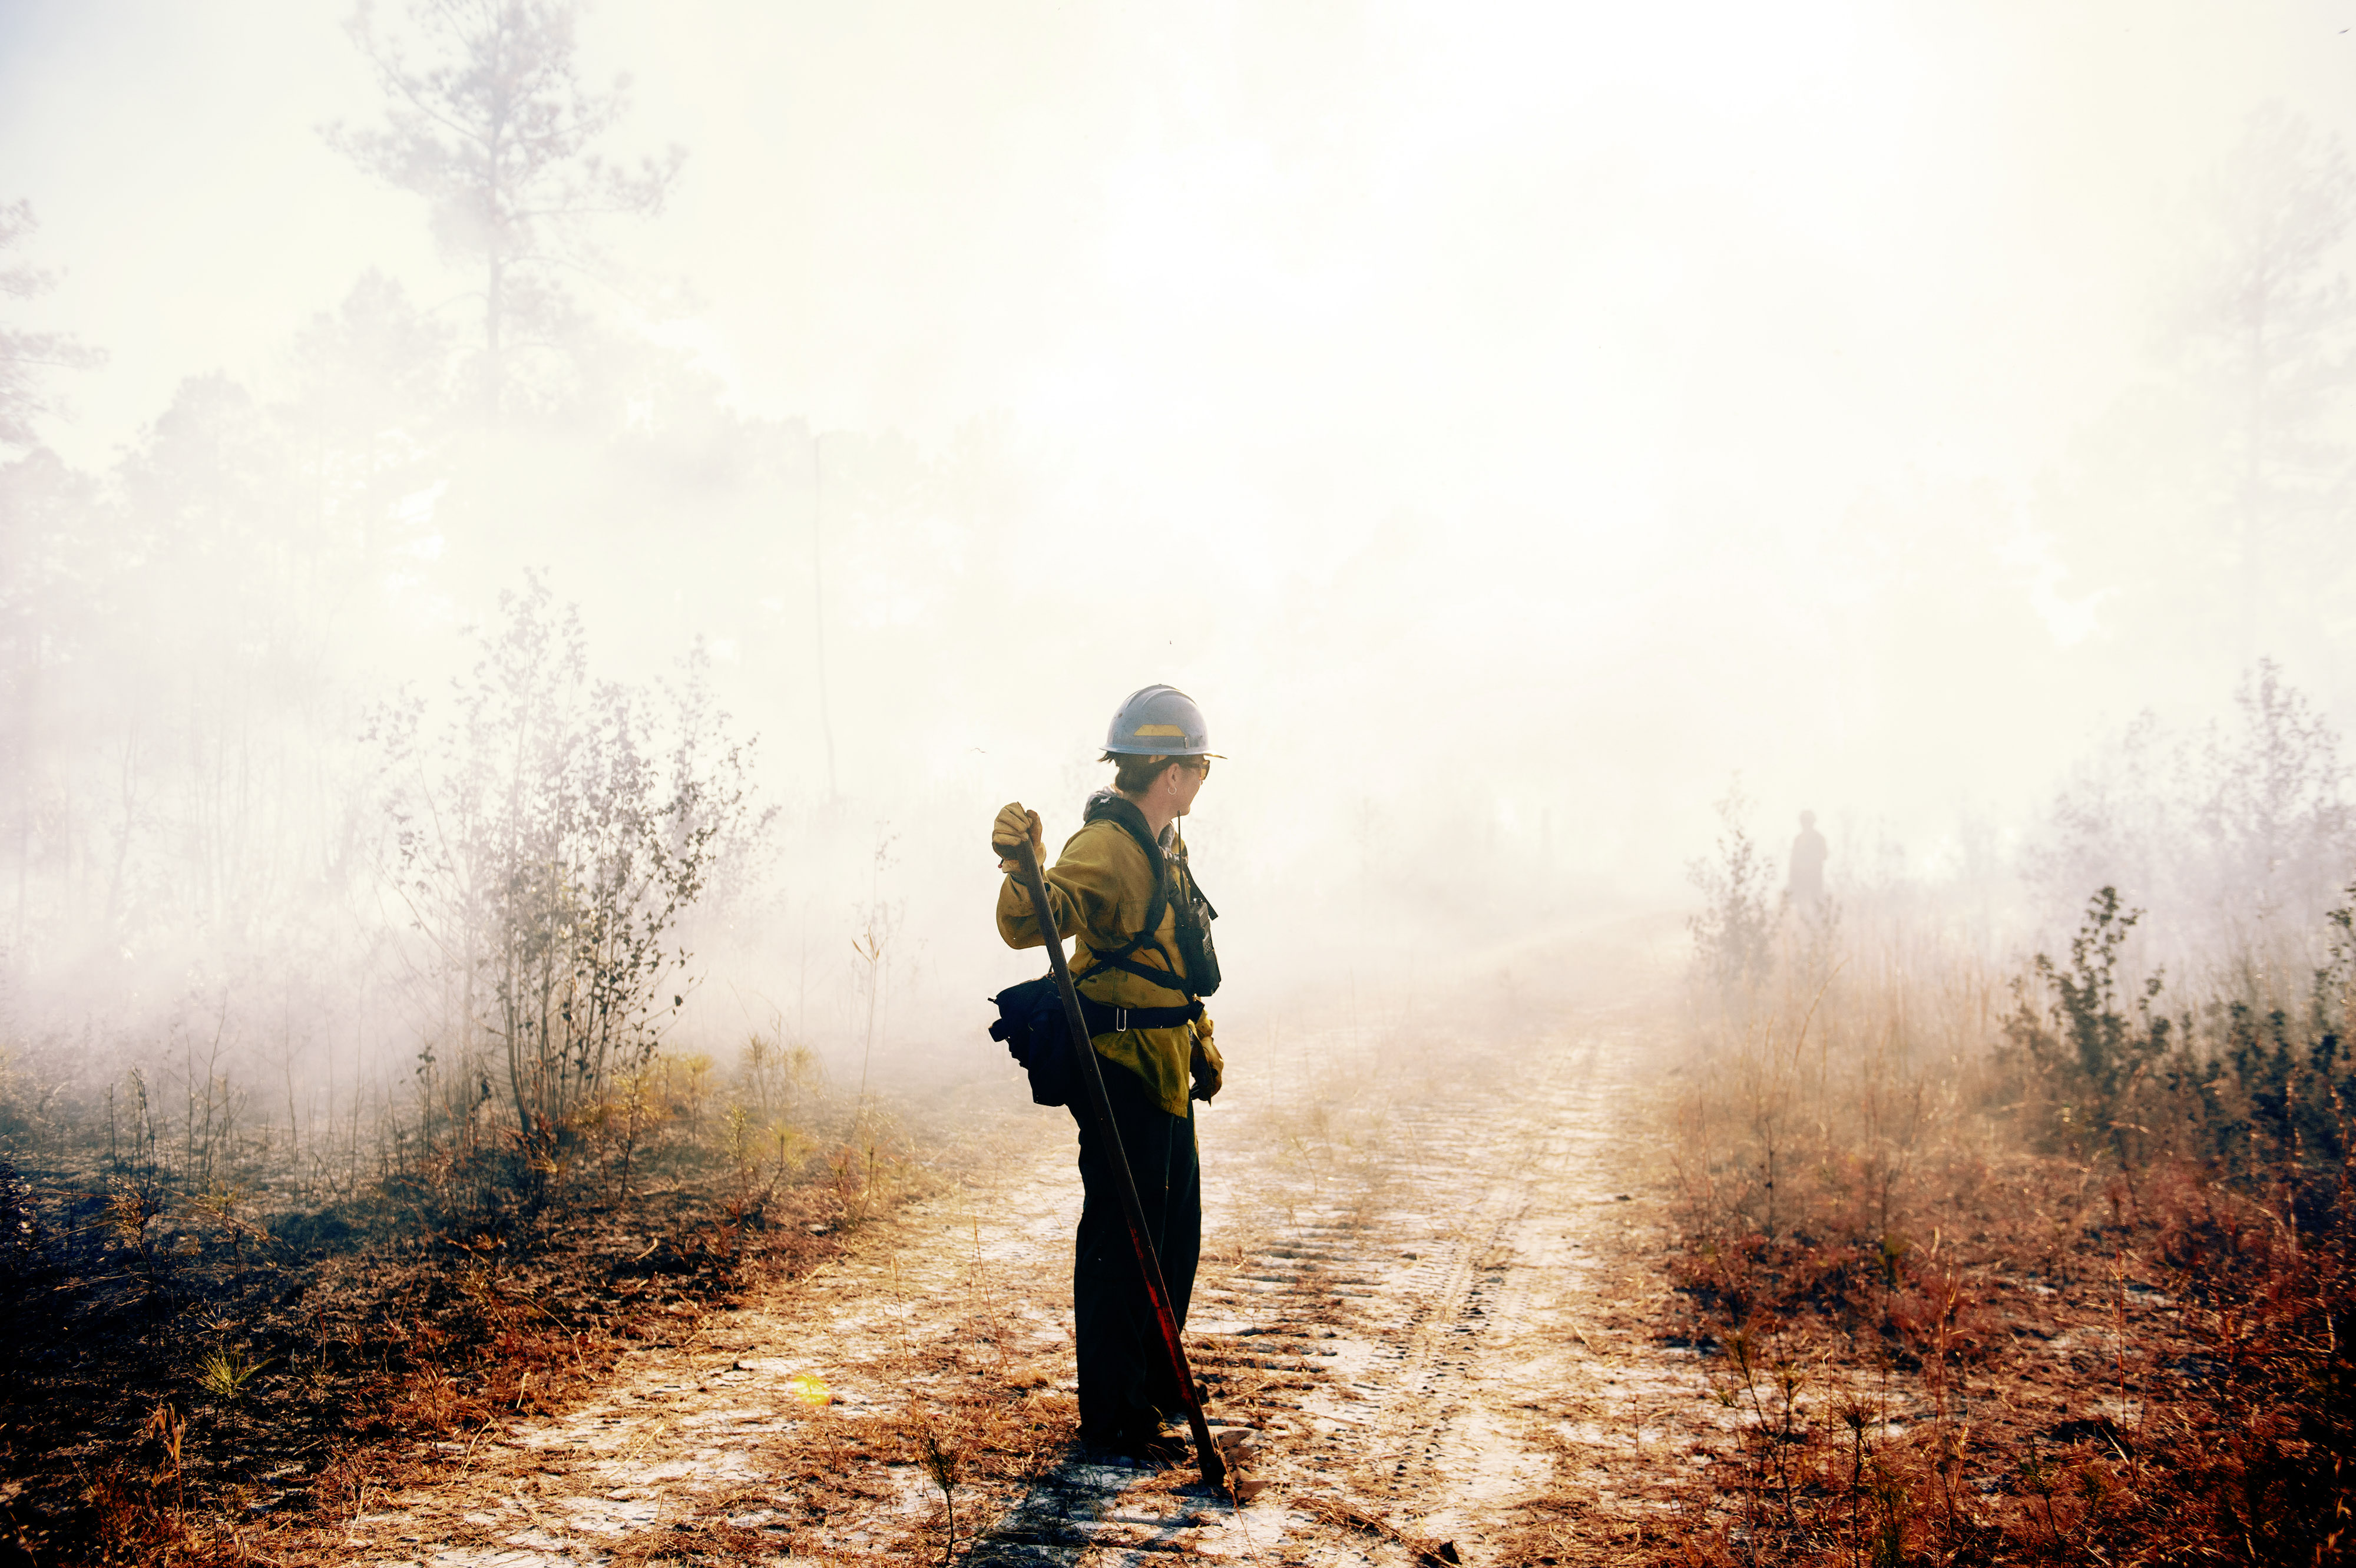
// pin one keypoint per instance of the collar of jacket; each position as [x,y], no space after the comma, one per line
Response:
[1112,805]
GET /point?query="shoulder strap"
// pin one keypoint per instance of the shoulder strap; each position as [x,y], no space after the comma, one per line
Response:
[1104,805]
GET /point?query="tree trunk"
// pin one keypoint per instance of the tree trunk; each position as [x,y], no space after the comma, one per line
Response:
[491,307]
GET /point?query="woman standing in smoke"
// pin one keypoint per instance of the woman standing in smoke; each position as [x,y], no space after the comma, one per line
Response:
[1141,990]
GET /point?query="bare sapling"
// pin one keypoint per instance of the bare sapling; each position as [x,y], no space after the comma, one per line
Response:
[872,955]
[1734,933]
[941,1453]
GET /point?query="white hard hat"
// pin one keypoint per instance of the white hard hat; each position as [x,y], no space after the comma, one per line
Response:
[1159,720]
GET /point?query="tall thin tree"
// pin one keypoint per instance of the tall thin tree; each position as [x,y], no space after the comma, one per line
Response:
[39,503]
[486,117]
[817,604]
[25,353]
[2278,323]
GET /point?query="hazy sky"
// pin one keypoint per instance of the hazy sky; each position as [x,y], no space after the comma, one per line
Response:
[1485,226]
[1617,323]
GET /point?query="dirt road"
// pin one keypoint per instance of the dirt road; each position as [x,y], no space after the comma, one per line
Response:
[1425,1301]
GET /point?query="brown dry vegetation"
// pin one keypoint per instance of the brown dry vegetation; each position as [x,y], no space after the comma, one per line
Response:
[2052,1268]
[197,1365]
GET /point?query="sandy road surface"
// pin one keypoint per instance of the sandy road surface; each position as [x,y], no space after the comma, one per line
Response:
[1423,1299]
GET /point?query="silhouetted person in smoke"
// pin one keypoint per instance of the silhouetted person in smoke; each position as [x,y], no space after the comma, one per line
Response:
[1808,853]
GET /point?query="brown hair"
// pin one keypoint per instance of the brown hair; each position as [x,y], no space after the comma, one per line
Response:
[1135,775]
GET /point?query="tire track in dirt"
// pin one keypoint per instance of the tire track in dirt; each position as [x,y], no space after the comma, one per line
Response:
[1457,1237]
[1403,1307]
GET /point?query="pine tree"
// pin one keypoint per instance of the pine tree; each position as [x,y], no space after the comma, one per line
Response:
[488,119]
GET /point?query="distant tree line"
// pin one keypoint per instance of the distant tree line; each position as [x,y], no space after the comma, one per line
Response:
[209,803]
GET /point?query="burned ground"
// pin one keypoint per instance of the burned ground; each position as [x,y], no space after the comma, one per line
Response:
[1465,1300]
[187,1373]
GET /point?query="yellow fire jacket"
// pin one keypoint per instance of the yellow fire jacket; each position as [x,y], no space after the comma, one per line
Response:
[1099,887]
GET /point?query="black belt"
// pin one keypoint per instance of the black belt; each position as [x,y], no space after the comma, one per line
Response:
[1104,1020]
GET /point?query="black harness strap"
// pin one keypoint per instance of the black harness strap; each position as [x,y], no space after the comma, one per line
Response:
[1110,807]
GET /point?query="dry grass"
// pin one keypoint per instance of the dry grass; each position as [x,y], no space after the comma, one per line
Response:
[186,1379]
[1997,1275]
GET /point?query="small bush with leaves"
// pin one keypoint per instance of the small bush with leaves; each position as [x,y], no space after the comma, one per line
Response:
[2073,1045]
[547,845]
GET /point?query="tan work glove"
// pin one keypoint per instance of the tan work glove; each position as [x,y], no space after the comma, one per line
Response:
[1013,825]
[1208,1069]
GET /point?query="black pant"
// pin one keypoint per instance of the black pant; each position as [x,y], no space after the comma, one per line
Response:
[1126,1389]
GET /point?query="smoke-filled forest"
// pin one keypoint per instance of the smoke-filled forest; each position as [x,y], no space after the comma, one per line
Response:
[1760,608]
